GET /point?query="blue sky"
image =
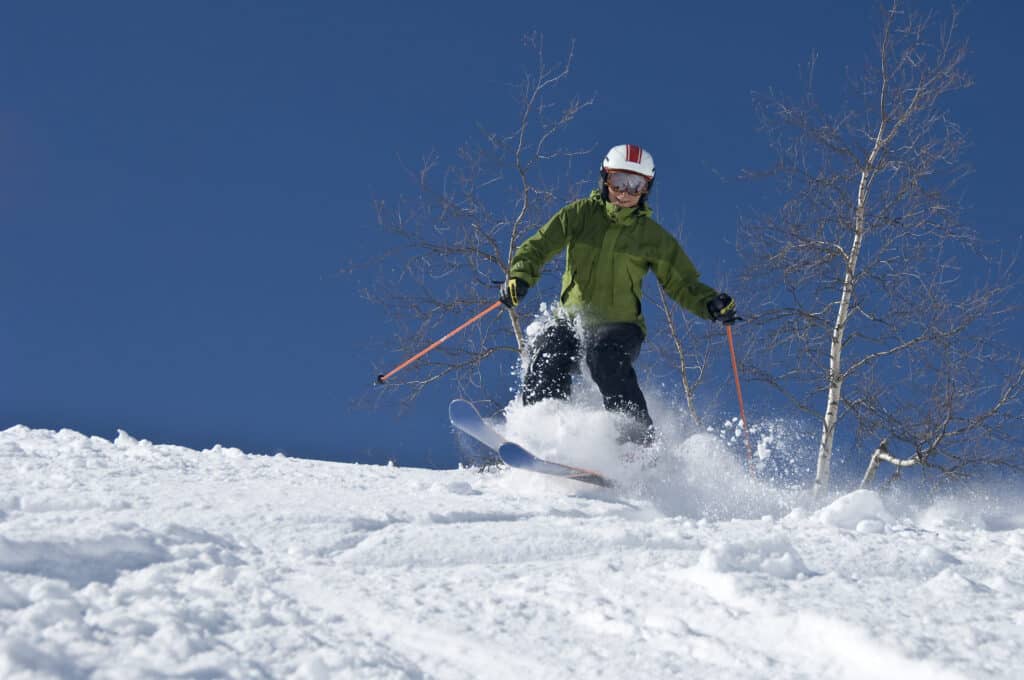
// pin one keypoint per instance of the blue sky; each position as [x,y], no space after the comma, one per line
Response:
[180,184]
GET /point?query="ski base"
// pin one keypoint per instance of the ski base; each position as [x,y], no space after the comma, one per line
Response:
[464,417]
[518,457]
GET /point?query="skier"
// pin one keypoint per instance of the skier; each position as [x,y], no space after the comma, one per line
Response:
[610,243]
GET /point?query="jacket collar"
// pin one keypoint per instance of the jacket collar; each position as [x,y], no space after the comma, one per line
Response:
[623,216]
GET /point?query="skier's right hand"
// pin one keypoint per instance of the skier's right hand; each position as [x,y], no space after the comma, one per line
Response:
[512,291]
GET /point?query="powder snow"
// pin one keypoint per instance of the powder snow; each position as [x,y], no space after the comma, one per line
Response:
[126,559]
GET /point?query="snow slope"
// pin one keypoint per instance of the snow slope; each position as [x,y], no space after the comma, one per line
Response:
[126,559]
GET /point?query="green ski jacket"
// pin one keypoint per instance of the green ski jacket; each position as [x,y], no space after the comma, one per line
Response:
[608,251]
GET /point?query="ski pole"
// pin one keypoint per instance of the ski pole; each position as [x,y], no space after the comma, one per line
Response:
[739,395]
[382,378]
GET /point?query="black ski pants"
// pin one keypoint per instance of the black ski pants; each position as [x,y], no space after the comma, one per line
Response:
[609,351]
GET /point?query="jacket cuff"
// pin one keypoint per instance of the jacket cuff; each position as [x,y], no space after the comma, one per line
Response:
[523,276]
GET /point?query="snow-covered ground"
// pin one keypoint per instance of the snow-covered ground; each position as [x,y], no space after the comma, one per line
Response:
[127,559]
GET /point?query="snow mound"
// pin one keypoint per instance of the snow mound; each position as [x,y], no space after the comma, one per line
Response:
[82,561]
[862,511]
[774,556]
[950,580]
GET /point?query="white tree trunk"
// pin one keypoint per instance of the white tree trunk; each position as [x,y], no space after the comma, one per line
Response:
[882,455]
[835,356]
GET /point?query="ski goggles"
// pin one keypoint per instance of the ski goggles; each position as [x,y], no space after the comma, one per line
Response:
[627,182]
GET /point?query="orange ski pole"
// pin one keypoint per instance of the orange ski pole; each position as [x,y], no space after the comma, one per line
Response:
[739,395]
[383,377]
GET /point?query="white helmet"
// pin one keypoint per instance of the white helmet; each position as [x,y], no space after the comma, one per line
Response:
[629,158]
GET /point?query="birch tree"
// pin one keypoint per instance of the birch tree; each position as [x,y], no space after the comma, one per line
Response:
[875,320]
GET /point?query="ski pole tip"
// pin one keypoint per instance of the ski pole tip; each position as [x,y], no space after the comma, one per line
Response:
[380,379]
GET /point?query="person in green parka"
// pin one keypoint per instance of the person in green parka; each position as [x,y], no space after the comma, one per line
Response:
[610,242]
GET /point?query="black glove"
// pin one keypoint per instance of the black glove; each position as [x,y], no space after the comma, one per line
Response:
[512,291]
[723,308]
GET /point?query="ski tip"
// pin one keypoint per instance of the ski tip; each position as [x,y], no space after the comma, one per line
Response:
[460,409]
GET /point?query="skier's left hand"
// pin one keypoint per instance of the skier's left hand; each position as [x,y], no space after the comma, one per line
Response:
[512,291]
[723,308]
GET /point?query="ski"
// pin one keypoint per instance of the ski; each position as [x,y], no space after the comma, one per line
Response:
[518,457]
[464,417]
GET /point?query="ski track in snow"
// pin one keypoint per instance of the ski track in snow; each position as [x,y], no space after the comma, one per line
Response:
[127,559]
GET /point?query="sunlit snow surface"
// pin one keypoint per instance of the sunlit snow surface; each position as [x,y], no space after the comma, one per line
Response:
[126,559]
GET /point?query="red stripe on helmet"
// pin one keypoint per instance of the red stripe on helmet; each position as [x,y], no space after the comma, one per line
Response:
[633,153]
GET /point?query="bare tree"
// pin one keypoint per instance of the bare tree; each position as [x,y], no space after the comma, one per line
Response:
[874,310]
[684,348]
[455,237]
[680,333]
